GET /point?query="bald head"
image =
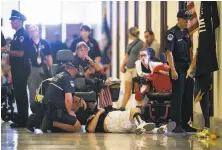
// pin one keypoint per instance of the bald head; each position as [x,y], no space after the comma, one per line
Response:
[34,31]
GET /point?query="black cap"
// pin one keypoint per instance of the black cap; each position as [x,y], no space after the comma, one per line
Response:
[85,27]
[17,15]
[73,64]
[184,14]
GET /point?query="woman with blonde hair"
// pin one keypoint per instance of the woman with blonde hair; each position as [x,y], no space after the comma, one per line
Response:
[128,64]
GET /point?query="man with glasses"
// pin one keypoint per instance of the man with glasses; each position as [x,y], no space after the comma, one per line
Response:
[41,57]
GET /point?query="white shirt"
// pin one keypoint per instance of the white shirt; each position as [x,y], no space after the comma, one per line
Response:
[152,66]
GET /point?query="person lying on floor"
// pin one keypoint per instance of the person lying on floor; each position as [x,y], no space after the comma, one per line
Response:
[128,121]
[59,103]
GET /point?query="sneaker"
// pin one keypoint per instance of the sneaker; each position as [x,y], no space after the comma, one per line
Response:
[160,130]
[171,126]
[144,127]
[38,131]
[31,123]
[46,124]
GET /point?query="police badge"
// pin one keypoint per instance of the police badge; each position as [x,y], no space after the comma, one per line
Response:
[170,37]
[72,83]
[21,39]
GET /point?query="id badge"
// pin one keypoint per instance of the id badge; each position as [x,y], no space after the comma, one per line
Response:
[39,60]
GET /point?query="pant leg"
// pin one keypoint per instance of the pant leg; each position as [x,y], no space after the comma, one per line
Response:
[177,95]
[204,103]
[34,81]
[19,79]
[187,103]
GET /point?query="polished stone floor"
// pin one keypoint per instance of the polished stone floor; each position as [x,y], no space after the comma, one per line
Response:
[12,139]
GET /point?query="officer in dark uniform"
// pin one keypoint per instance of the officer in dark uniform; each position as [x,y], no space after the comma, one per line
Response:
[177,46]
[94,51]
[61,106]
[20,68]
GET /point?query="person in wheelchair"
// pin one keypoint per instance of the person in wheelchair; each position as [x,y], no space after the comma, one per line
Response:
[128,121]
[89,66]
[60,102]
[93,70]
[147,62]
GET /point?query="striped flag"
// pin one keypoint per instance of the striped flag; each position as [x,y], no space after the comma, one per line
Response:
[193,25]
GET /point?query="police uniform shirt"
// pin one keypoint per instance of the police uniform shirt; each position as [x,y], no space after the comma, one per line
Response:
[42,49]
[3,41]
[94,50]
[61,84]
[22,42]
[178,42]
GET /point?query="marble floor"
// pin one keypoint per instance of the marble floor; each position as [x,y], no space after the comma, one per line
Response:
[13,139]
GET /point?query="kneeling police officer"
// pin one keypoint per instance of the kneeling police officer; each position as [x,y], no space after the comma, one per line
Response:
[60,103]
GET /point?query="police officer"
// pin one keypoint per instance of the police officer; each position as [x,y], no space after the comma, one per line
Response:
[61,101]
[20,68]
[41,59]
[177,45]
[94,51]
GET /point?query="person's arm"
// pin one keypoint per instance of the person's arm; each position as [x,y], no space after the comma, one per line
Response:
[73,46]
[3,43]
[96,66]
[139,68]
[24,43]
[69,89]
[92,125]
[124,63]
[47,51]
[68,103]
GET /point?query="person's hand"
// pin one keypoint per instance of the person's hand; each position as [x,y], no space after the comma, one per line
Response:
[174,75]
[190,73]
[81,54]
[83,104]
[122,69]
[101,110]
[72,113]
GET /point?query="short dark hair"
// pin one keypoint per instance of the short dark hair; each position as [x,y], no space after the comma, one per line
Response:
[150,32]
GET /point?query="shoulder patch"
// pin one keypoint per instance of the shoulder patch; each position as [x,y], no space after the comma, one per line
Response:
[170,37]
[72,83]
[21,38]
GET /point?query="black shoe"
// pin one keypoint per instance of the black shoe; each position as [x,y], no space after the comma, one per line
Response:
[46,124]
[188,128]
[31,123]
[14,125]
[178,129]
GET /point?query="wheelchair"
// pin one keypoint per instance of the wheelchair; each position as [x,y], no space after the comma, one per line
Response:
[157,109]
[7,102]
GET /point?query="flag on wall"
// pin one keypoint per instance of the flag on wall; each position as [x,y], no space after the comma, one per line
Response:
[106,40]
[206,62]
[193,25]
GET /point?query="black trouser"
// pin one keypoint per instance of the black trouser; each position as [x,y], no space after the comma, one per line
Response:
[19,80]
[182,97]
[204,103]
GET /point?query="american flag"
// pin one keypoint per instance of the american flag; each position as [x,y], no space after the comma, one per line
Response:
[193,25]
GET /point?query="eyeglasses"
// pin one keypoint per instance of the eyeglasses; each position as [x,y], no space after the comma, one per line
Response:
[143,55]
[80,46]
